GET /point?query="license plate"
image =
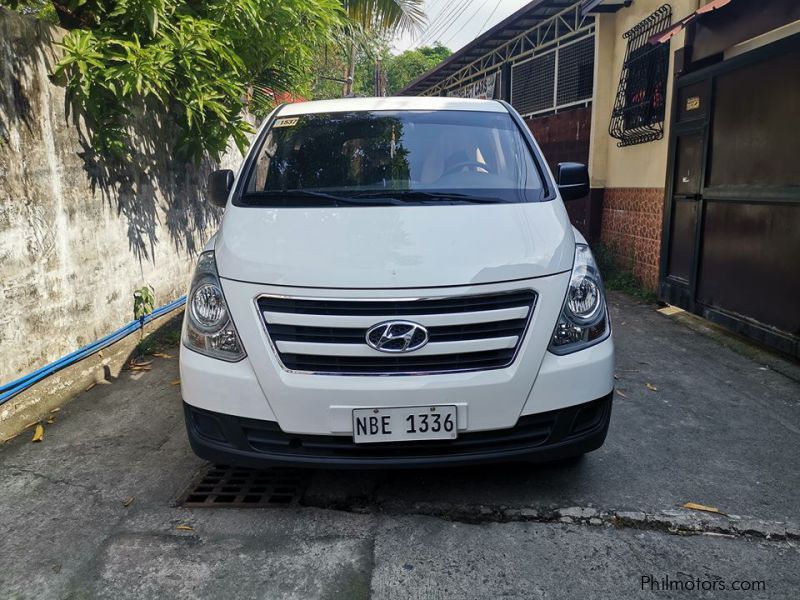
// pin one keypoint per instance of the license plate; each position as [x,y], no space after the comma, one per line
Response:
[404,424]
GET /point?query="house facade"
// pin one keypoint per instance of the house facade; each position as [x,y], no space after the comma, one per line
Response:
[692,155]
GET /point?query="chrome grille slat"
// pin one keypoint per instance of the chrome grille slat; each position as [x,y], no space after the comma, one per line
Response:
[431,349]
[327,336]
[395,307]
[408,365]
[428,320]
[351,335]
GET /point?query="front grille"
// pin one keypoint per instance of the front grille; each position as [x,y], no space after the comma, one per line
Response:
[328,336]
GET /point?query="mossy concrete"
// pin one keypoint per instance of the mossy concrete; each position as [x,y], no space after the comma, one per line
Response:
[36,404]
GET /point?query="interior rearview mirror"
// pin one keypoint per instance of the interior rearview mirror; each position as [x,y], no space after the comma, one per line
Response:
[220,184]
[573,180]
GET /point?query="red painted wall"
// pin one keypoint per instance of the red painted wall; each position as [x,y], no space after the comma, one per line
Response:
[564,137]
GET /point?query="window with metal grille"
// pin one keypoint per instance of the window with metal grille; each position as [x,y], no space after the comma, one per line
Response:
[638,114]
[532,84]
[575,72]
[557,79]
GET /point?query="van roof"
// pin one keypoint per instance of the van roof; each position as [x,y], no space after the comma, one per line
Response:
[391,103]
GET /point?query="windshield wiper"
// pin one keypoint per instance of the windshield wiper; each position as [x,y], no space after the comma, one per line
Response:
[383,197]
[283,198]
[418,195]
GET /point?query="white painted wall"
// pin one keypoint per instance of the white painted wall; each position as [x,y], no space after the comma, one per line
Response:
[73,249]
[642,165]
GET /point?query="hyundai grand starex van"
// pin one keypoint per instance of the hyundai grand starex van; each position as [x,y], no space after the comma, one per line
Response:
[396,283]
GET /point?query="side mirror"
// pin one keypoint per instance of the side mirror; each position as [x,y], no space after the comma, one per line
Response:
[220,184]
[573,180]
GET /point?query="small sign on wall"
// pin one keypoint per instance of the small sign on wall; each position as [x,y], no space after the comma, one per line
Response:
[482,89]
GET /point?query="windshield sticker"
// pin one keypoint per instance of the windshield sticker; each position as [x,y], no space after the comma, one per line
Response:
[286,122]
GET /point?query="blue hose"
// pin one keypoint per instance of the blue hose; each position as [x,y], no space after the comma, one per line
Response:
[9,390]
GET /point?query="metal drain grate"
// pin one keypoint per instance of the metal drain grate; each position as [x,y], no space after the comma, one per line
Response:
[224,486]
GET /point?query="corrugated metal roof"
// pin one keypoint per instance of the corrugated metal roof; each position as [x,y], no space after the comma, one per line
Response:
[522,20]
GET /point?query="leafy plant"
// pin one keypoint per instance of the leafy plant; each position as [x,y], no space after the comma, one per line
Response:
[407,66]
[618,274]
[385,15]
[143,302]
[189,62]
[399,70]
[41,9]
[371,20]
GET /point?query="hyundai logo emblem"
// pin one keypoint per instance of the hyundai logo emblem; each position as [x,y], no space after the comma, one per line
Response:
[397,336]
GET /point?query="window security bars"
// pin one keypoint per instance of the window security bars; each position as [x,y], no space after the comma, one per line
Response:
[556,79]
[638,114]
[533,83]
[575,72]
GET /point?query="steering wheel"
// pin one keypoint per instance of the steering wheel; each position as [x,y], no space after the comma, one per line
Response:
[470,164]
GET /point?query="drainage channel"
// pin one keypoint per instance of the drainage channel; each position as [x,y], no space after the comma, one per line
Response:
[222,486]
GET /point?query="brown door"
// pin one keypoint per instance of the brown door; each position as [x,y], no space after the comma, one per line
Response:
[751,229]
[732,226]
[684,209]
[686,196]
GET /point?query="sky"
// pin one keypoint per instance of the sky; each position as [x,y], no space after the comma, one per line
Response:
[455,23]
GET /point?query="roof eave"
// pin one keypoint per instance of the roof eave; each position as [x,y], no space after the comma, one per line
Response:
[504,24]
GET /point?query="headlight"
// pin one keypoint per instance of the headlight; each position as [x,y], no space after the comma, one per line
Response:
[207,325]
[584,317]
[208,306]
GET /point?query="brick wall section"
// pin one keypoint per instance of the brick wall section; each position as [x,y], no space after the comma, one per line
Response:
[564,137]
[632,228]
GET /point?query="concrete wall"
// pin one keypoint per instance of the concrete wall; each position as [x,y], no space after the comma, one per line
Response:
[632,177]
[77,237]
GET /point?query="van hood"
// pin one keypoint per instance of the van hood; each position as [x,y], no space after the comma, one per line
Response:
[394,247]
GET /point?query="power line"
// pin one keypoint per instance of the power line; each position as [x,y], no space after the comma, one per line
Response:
[477,10]
[446,29]
[434,3]
[442,19]
[451,17]
[491,14]
[434,23]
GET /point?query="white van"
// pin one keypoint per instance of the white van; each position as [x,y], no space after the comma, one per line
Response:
[396,283]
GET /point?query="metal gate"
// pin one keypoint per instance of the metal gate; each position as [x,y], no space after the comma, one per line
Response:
[731,238]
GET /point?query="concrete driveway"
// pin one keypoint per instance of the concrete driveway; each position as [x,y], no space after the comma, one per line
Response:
[714,427]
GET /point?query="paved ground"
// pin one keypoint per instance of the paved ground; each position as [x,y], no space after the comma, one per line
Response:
[721,430]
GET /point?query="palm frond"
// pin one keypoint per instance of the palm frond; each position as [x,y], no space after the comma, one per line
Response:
[386,15]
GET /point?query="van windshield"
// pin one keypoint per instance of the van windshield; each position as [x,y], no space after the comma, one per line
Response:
[393,157]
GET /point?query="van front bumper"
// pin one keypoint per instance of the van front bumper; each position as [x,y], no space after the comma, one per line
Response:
[553,435]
